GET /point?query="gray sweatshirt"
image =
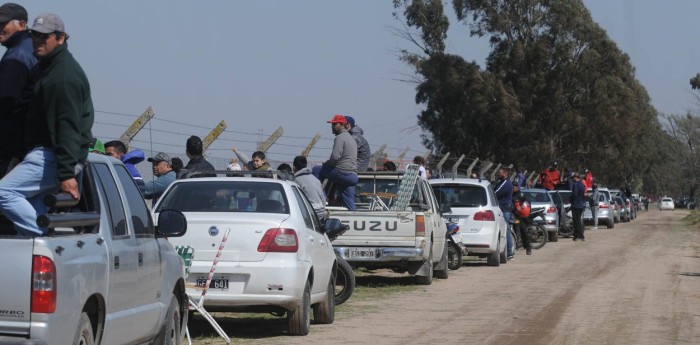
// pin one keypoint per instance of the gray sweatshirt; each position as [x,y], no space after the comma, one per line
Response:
[313,190]
[363,150]
[344,154]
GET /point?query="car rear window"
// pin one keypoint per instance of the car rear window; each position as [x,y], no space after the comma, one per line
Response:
[226,196]
[666,200]
[460,195]
[537,196]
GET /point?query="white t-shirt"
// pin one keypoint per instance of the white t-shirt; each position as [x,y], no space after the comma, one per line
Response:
[423,174]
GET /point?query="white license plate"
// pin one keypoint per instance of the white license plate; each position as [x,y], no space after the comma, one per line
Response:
[220,284]
[361,253]
[457,238]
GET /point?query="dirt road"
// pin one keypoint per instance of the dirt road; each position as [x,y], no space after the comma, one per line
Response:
[638,283]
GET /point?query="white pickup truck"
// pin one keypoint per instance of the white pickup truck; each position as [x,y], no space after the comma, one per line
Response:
[105,274]
[410,240]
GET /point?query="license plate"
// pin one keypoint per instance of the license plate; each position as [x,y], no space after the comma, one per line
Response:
[361,253]
[457,238]
[221,284]
[453,220]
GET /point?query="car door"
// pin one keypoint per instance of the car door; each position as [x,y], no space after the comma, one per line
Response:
[319,247]
[123,261]
[500,218]
[148,307]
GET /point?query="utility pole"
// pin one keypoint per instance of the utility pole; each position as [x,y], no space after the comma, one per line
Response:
[135,127]
[213,135]
[311,145]
[264,146]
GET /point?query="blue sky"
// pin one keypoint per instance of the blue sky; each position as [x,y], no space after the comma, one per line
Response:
[263,64]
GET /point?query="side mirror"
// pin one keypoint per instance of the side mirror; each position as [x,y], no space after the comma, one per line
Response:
[445,208]
[171,223]
[334,228]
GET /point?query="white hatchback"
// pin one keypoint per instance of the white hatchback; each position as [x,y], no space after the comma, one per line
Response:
[277,258]
[666,204]
[475,209]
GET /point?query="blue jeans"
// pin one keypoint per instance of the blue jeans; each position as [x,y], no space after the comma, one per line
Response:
[509,237]
[344,183]
[22,190]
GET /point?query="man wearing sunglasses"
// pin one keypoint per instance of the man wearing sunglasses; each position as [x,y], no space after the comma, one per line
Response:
[18,72]
[58,131]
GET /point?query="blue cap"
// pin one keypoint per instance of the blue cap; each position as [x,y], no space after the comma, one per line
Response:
[351,121]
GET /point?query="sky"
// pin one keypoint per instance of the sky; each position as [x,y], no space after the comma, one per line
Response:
[259,65]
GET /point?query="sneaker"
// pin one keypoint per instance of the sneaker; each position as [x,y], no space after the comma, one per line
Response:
[594,228]
[528,251]
[511,257]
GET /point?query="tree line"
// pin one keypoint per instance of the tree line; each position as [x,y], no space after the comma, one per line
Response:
[554,87]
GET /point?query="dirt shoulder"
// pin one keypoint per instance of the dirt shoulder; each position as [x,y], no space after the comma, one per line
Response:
[638,283]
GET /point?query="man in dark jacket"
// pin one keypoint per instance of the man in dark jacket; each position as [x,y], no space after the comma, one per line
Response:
[58,131]
[363,151]
[504,194]
[194,150]
[18,73]
[578,203]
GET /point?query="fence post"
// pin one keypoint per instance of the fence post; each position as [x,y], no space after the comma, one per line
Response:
[311,145]
[135,127]
[265,145]
[213,135]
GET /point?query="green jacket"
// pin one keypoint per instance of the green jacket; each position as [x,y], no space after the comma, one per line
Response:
[61,114]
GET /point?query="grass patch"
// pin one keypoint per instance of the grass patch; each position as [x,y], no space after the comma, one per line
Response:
[693,218]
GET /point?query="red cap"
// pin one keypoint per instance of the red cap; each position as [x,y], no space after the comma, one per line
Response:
[338,119]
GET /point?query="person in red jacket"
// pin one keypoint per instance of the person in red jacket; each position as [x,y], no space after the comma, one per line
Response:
[550,176]
[588,179]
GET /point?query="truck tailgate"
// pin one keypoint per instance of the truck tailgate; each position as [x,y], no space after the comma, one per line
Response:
[377,228]
[15,285]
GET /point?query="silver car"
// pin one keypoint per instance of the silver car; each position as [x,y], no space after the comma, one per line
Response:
[605,209]
[540,198]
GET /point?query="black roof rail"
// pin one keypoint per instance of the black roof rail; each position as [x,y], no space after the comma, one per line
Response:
[274,174]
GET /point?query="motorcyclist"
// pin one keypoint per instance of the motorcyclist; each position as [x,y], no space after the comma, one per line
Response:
[521,212]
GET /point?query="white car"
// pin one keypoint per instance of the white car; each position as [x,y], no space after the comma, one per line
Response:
[277,258]
[666,204]
[475,209]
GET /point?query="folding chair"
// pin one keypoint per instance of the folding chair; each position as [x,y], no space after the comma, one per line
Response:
[187,255]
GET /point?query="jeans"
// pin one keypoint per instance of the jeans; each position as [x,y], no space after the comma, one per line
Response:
[578,222]
[509,238]
[594,213]
[23,189]
[344,183]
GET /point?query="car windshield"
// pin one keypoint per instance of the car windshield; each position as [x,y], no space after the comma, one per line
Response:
[226,196]
[457,195]
[534,196]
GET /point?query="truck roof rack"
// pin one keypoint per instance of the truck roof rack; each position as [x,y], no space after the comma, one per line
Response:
[273,174]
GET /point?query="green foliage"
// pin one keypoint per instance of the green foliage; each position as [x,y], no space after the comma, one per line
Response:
[555,87]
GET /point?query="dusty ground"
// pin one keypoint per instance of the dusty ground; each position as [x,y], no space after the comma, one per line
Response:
[638,283]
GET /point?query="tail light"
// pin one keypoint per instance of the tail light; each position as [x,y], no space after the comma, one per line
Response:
[552,209]
[420,226]
[43,285]
[603,205]
[485,215]
[279,241]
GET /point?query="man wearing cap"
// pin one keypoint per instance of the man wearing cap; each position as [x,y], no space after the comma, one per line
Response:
[165,176]
[550,177]
[341,168]
[363,150]
[58,131]
[578,203]
[18,73]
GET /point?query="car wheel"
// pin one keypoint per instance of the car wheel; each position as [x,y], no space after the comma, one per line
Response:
[494,258]
[299,320]
[324,312]
[553,236]
[454,256]
[84,334]
[170,332]
[443,273]
[344,281]
[610,224]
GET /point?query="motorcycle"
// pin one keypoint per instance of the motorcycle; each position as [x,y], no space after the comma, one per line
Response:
[566,228]
[538,235]
[456,250]
[345,276]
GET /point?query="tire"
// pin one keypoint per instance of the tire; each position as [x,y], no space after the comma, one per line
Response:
[454,256]
[445,272]
[170,332]
[299,320]
[494,258]
[84,334]
[344,281]
[610,224]
[553,236]
[324,312]
[427,280]
[568,229]
[538,236]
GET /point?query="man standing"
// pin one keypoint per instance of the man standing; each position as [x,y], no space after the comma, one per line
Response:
[578,203]
[595,202]
[504,194]
[117,149]
[58,131]
[341,168]
[165,176]
[311,186]
[18,73]
[550,177]
[363,150]
[194,152]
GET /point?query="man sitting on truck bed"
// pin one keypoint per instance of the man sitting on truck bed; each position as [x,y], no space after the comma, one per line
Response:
[341,168]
